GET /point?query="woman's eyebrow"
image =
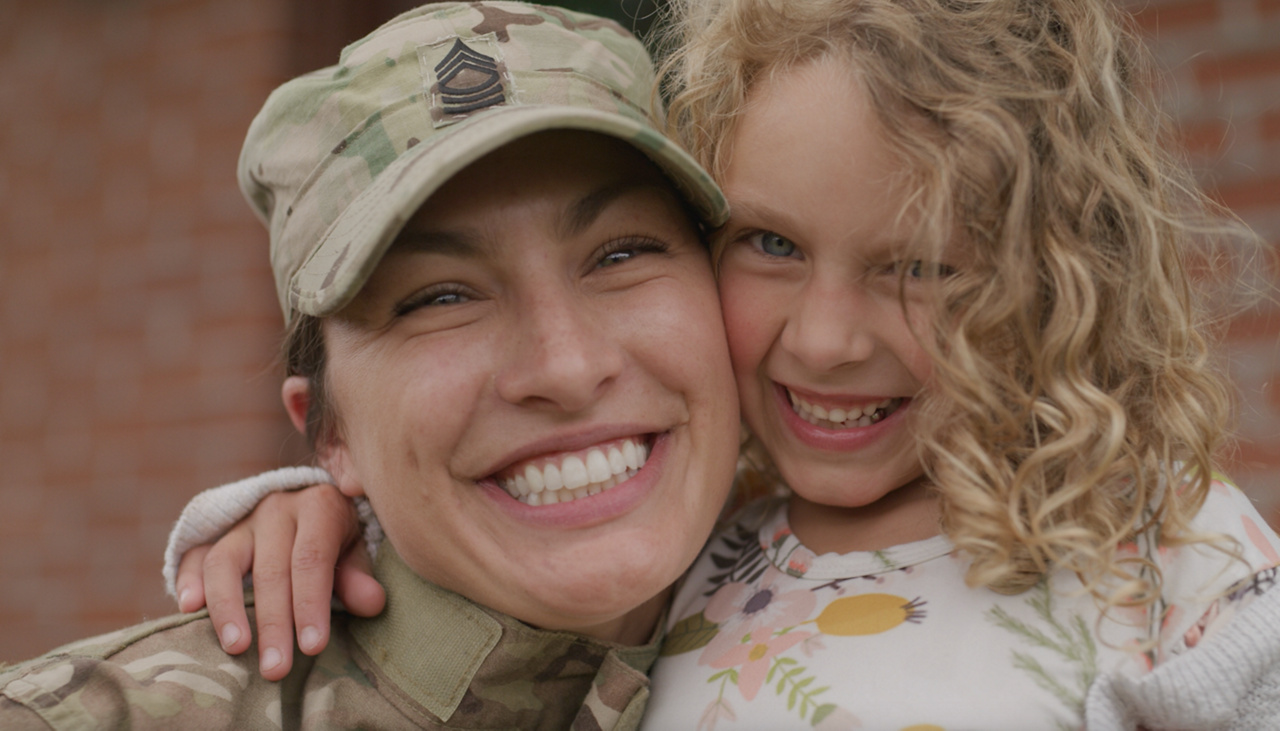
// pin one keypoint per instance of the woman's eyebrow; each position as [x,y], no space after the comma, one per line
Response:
[584,211]
[444,243]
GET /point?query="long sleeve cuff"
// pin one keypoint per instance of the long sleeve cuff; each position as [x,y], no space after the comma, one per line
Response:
[213,512]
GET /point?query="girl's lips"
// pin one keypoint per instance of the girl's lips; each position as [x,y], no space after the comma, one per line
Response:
[584,512]
[842,439]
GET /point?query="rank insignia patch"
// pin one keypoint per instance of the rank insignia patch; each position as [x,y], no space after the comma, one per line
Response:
[465,79]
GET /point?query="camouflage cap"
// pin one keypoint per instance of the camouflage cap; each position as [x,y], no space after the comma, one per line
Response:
[339,159]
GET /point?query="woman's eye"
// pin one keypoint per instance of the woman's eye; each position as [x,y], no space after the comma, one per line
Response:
[616,257]
[773,244]
[448,298]
[435,297]
[617,252]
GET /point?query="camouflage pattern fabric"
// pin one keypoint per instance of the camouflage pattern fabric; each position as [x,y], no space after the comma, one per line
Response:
[431,660]
[339,159]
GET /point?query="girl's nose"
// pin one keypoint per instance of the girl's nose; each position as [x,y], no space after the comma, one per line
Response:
[825,330]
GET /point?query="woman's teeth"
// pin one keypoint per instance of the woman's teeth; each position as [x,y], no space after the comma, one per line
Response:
[577,475]
[838,418]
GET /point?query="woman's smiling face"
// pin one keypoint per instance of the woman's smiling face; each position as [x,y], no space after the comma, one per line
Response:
[534,390]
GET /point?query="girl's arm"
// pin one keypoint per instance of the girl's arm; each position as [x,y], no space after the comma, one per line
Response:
[1230,681]
[290,542]
[215,511]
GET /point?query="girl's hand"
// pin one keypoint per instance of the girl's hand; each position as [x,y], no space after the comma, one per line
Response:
[302,547]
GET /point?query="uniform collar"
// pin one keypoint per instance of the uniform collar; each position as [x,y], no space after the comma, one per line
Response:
[436,645]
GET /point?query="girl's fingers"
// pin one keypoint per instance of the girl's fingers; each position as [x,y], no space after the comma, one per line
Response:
[190,581]
[362,595]
[274,527]
[327,525]
[224,567]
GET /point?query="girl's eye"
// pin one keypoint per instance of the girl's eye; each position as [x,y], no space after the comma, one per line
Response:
[433,297]
[774,245]
[921,269]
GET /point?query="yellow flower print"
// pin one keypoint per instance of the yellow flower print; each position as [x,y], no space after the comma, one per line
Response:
[867,614]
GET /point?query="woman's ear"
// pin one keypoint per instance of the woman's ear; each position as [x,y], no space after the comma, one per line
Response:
[296,393]
[331,451]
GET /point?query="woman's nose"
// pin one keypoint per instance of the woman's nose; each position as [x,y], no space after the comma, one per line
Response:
[560,356]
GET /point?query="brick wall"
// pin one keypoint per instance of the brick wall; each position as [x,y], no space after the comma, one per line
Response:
[137,317]
[1222,59]
[137,313]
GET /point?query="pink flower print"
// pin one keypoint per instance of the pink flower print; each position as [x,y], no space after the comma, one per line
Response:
[1259,539]
[799,562]
[779,536]
[751,611]
[754,658]
[1128,549]
[812,645]
[1173,617]
[1199,630]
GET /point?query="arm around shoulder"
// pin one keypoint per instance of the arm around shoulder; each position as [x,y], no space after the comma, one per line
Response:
[213,512]
[1229,682]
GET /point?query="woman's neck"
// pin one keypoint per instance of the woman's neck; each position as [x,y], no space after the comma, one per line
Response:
[633,628]
[908,513]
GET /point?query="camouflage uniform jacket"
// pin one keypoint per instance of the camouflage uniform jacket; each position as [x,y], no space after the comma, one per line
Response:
[431,660]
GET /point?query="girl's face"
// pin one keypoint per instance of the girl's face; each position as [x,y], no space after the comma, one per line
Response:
[825,357]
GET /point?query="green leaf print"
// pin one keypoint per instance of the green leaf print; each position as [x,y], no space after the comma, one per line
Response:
[689,634]
[822,712]
[730,675]
[1073,642]
[791,673]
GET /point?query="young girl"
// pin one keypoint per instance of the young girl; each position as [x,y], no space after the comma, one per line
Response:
[955,285]
[955,290]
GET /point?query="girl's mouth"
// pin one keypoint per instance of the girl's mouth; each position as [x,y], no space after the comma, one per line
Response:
[837,418]
[574,475]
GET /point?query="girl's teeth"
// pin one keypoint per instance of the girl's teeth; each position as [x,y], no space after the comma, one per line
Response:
[578,475]
[838,418]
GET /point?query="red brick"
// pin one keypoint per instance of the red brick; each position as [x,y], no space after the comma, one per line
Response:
[1212,70]
[1269,123]
[1204,138]
[1177,15]
[1250,194]
[1253,455]
[1254,325]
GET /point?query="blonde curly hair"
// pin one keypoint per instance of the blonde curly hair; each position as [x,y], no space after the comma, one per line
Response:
[1072,381]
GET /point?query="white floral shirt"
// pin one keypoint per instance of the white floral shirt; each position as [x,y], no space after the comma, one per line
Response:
[766,635]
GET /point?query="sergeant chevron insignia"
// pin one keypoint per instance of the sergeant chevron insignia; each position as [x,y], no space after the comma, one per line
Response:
[469,76]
